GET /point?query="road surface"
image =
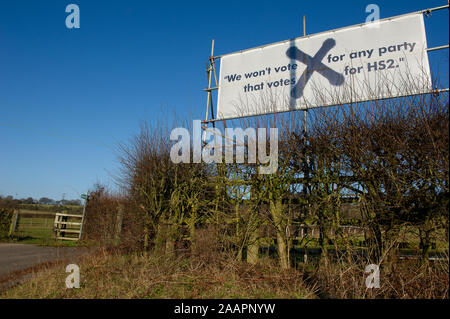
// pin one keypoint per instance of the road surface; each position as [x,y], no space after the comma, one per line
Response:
[16,257]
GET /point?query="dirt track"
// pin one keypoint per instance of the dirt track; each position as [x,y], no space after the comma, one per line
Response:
[16,257]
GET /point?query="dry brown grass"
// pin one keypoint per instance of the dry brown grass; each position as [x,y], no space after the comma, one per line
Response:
[209,273]
[399,279]
[204,274]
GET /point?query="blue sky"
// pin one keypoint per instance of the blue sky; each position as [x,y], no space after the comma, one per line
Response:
[67,97]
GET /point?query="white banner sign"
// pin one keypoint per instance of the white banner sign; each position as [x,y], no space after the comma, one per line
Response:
[383,59]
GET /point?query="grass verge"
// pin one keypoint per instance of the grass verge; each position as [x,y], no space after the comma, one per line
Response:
[139,275]
[115,274]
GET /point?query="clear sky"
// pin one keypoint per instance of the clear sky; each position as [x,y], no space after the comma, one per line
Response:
[68,96]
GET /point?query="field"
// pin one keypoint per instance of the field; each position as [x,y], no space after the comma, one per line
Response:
[36,226]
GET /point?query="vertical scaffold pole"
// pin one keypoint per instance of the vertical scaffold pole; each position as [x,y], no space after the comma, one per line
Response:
[209,70]
[305,112]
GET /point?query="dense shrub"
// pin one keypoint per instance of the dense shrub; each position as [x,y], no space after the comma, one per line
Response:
[6,217]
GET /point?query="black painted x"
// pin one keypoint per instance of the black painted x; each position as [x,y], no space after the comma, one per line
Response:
[314,64]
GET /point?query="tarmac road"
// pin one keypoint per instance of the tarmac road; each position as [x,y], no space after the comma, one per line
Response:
[16,257]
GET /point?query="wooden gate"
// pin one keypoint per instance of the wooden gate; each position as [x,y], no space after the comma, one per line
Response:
[68,226]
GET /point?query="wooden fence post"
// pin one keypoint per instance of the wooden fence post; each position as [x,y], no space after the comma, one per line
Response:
[13,226]
[119,220]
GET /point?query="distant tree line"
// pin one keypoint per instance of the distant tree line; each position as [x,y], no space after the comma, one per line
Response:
[42,201]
